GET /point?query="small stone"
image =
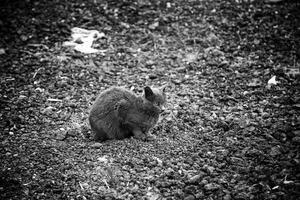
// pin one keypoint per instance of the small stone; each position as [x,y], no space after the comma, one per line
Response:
[227,197]
[296,139]
[190,189]
[150,62]
[152,196]
[224,64]
[209,169]
[150,137]
[181,69]
[2,51]
[22,97]
[189,197]
[61,134]
[203,182]
[275,151]
[237,161]
[255,82]
[211,186]
[152,76]
[158,161]
[7,154]
[199,195]
[24,38]
[96,145]
[195,178]
[154,25]
[49,110]
[242,195]
[177,81]
[169,171]
[296,133]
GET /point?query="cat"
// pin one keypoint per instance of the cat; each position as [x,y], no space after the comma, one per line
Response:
[118,113]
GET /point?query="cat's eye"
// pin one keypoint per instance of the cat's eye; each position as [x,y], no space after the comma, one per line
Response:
[157,104]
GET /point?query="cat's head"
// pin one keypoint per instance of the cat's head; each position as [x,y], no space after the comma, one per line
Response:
[156,96]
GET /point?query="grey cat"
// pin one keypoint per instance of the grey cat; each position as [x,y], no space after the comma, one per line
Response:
[118,113]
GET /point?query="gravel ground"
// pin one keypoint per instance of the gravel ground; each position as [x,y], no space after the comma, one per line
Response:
[226,133]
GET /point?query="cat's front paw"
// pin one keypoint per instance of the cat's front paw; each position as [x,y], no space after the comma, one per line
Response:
[141,137]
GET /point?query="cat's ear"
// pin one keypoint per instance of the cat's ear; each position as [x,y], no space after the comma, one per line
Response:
[149,95]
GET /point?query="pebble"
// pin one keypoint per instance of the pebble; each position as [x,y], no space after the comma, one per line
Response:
[275,151]
[227,197]
[61,134]
[199,195]
[190,189]
[209,169]
[296,133]
[195,178]
[189,197]
[96,145]
[152,76]
[224,64]
[296,139]
[211,186]
[203,182]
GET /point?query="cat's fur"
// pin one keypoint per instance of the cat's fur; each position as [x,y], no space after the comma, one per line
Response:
[118,113]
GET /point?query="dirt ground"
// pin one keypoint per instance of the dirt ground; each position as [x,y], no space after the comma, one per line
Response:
[229,131]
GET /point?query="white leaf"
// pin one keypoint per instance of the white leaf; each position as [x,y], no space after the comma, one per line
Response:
[54,100]
[83,39]
[275,187]
[288,182]
[85,49]
[273,81]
